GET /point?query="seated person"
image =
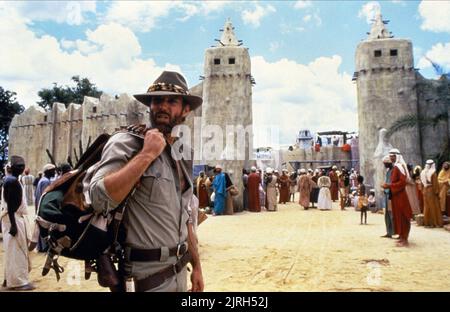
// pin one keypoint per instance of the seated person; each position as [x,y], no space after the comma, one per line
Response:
[354,200]
[372,201]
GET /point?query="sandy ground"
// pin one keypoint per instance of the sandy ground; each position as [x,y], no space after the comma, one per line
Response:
[297,250]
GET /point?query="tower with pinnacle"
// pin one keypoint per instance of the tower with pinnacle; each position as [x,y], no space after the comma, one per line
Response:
[227,101]
[386,88]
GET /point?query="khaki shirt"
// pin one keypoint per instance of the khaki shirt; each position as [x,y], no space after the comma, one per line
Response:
[157,213]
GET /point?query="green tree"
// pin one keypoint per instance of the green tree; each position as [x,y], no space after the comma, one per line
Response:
[8,108]
[66,95]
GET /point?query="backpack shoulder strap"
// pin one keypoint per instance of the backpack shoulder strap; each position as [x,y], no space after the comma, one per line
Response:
[139,131]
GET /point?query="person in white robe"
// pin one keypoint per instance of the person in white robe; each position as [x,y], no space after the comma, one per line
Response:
[324,202]
[271,184]
[27,181]
[16,230]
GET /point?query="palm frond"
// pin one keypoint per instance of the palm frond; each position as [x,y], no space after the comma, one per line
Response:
[411,121]
[405,122]
[443,155]
[438,118]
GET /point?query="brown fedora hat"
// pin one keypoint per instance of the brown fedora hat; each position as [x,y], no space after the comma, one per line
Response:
[169,83]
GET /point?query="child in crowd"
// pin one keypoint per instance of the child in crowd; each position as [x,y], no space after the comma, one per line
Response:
[362,199]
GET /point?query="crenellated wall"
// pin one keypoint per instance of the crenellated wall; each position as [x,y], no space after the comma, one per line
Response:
[433,99]
[310,159]
[29,135]
[62,129]
[106,114]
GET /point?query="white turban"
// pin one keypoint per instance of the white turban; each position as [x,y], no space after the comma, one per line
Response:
[48,167]
[399,162]
[427,173]
[394,151]
[387,159]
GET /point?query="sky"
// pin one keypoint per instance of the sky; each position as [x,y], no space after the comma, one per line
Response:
[302,52]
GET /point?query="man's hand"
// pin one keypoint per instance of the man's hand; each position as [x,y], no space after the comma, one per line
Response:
[154,143]
[385,185]
[119,184]
[197,280]
[196,275]
[13,230]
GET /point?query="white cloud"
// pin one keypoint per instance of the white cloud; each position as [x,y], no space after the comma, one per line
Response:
[213,6]
[274,46]
[308,18]
[108,55]
[313,96]
[254,17]
[69,12]
[289,28]
[143,16]
[317,19]
[302,4]
[68,44]
[417,52]
[439,54]
[369,11]
[435,15]
[400,2]
[138,15]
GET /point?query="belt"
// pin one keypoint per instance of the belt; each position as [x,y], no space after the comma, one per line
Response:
[158,254]
[160,277]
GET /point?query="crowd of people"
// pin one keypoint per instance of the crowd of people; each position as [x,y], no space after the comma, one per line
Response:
[413,194]
[409,193]
[20,189]
[265,189]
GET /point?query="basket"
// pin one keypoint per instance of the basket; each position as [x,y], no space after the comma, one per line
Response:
[233,190]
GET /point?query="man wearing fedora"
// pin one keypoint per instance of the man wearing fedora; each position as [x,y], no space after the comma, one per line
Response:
[159,239]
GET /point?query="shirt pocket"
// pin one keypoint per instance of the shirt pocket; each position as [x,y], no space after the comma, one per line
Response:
[156,185]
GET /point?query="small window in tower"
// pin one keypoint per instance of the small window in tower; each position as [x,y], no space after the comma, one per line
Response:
[216,61]
[94,109]
[394,52]
[45,118]
[377,53]
[231,60]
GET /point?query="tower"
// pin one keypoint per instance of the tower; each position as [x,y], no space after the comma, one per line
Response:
[386,88]
[227,101]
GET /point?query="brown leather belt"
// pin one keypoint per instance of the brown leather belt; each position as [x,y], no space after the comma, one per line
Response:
[160,277]
[157,254]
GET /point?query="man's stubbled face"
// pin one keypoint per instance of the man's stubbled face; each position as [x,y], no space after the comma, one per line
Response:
[167,111]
